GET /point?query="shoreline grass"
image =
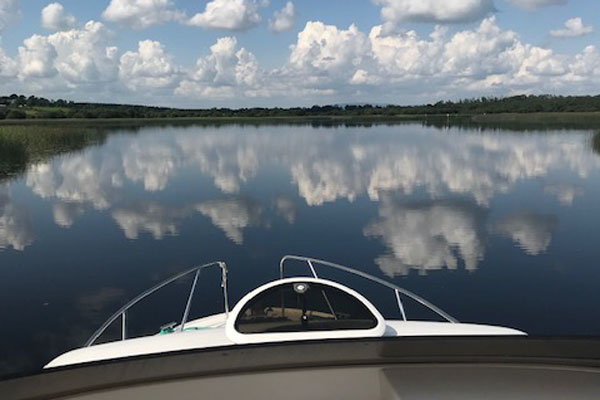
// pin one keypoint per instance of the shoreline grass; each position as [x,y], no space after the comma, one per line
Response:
[536,117]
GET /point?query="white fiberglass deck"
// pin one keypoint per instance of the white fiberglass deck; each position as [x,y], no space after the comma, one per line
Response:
[285,310]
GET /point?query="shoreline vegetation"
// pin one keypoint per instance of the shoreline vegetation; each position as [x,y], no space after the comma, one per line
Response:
[18,109]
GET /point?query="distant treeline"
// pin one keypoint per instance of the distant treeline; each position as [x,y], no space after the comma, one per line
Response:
[32,107]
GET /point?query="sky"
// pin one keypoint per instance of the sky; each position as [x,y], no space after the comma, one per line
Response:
[244,53]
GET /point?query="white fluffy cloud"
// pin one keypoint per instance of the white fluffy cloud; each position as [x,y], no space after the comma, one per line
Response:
[84,55]
[536,4]
[530,231]
[227,71]
[447,11]
[148,68]
[78,56]
[283,20]
[574,27]
[331,64]
[55,18]
[235,15]
[479,59]
[323,59]
[326,63]
[9,11]
[8,66]
[141,14]
[36,58]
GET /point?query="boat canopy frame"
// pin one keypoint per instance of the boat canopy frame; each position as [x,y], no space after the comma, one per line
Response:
[312,262]
[122,312]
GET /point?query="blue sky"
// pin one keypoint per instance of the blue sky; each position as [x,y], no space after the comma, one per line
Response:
[237,53]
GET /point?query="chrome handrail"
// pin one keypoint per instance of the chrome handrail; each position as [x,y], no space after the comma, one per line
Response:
[397,289]
[122,312]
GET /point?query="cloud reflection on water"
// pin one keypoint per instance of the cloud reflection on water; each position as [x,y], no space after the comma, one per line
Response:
[232,216]
[324,166]
[564,192]
[530,231]
[15,224]
[427,236]
[151,217]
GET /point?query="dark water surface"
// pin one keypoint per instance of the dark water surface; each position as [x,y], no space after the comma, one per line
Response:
[493,226]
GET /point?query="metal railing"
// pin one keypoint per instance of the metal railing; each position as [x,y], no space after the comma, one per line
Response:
[311,262]
[122,312]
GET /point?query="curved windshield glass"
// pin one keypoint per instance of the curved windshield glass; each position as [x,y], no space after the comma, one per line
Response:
[300,306]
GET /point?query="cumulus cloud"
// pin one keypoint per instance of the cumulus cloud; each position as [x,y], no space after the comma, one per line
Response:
[283,20]
[325,47]
[232,216]
[55,18]
[448,11]
[322,61]
[141,14]
[148,68]
[78,56]
[325,64]
[427,236]
[536,4]
[532,232]
[36,58]
[574,27]
[9,12]
[227,71]
[484,58]
[235,15]
[8,66]
[327,61]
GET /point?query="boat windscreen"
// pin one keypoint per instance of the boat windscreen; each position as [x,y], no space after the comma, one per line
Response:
[300,307]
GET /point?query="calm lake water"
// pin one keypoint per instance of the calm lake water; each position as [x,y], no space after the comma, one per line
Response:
[494,226]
